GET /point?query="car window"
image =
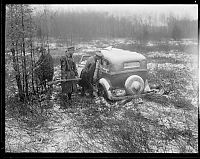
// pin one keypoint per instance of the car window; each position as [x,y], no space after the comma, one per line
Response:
[133,64]
[84,59]
[105,65]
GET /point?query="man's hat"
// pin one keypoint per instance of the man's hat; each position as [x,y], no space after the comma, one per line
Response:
[71,48]
[99,54]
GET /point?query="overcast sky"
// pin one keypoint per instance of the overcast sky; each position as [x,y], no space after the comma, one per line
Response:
[127,9]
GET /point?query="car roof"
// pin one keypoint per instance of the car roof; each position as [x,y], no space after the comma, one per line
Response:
[115,55]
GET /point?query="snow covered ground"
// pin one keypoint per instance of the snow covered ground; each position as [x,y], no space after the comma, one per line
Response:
[170,128]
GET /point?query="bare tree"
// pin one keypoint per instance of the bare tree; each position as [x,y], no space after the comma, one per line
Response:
[93,24]
[17,35]
[12,41]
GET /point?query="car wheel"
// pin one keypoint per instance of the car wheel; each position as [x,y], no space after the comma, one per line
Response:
[134,84]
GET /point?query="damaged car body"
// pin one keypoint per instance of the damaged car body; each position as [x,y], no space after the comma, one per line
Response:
[124,75]
[82,63]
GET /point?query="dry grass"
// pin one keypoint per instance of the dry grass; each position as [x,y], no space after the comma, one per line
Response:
[164,124]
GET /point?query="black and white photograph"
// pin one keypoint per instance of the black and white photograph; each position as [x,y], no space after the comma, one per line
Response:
[101,78]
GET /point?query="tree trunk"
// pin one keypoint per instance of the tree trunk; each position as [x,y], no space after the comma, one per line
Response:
[15,62]
[22,65]
[24,54]
[17,75]
[32,62]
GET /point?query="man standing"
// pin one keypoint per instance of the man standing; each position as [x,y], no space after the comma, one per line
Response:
[68,71]
[90,74]
[44,68]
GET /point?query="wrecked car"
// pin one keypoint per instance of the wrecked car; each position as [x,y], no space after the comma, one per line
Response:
[124,74]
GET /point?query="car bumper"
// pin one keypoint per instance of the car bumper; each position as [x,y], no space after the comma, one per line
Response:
[107,87]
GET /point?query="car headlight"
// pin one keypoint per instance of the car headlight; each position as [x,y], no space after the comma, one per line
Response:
[119,92]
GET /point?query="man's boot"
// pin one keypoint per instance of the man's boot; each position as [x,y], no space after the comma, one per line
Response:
[70,98]
[82,92]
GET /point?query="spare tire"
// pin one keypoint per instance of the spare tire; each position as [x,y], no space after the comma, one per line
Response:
[134,85]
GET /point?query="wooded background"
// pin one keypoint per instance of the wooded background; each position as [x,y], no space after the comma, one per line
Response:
[26,26]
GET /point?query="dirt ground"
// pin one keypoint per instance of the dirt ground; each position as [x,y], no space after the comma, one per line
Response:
[166,123]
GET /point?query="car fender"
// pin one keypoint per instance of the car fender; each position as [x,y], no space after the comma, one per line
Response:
[107,87]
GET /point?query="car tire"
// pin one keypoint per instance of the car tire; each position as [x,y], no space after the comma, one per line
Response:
[129,82]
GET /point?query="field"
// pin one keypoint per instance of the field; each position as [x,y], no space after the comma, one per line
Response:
[161,124]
